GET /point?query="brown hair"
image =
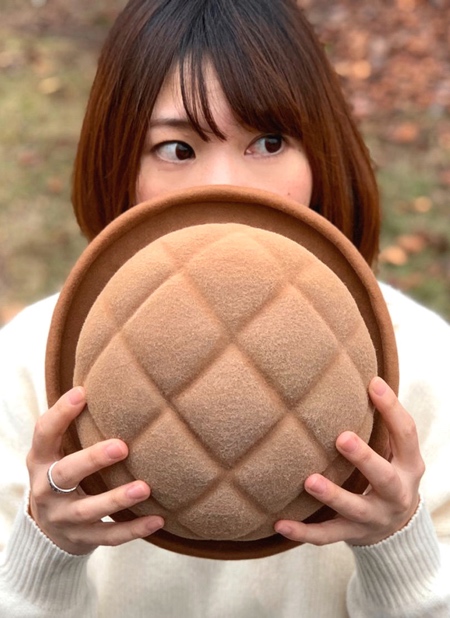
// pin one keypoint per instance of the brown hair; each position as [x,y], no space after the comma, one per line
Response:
[275,76]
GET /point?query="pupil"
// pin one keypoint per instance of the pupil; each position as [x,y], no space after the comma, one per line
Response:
[273,143]
[182,152]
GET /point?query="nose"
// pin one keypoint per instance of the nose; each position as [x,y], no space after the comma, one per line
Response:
[223,170]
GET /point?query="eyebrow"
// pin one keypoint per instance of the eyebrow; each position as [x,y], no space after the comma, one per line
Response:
[177,123]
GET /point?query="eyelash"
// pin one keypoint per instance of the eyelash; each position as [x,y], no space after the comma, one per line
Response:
[191,153]
[270,136]
[177,143]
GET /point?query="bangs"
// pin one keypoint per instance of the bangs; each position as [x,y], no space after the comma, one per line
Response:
[256,67]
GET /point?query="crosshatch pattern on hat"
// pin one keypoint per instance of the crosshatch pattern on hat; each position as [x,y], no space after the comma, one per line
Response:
[229,359]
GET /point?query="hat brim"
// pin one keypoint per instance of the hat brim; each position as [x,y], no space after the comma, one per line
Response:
[146,222]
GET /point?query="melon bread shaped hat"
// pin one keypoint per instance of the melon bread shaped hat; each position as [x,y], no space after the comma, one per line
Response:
[228,336]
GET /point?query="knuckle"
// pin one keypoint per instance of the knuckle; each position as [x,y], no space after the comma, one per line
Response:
[53,518]
[40,429]
[30,461]
[365,455]
[38,501]
[404,502]
[384,521]
[120,534]
[81,511]
[74,535]
[97,456]
[420,468]
[389,479]
[63,479]
[117,500]
[361,512]
[93,458]
[409,429]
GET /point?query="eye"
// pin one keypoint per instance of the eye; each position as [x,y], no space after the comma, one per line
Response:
[174,152]
[266,145]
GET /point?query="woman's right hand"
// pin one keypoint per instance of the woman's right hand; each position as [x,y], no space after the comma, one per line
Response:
[73,520]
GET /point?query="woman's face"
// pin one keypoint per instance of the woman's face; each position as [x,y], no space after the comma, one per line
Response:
[176,157]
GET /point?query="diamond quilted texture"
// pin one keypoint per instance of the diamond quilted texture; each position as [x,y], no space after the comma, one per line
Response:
[173,356]
[184,473]
[229,407]
[250,278]
[97,339]
[214,510]
[271,475]
[142,277]
[337,402]
[280,342]
[229,373]
[331,300]
[143,400]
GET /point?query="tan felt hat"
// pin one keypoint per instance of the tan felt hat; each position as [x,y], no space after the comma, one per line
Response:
[228,336]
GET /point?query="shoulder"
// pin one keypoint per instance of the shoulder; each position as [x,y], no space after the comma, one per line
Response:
[23,342]
[41,311]
[406,313]
[33,320]
[422,336]
[423,345]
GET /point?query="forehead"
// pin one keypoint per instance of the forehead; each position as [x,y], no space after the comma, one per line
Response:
[171,105]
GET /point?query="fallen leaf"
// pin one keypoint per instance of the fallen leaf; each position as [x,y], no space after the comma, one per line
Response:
[55,184]
[422,204]
[394,255]
[406,5]
[28,158]
[412,243]
[50,85]
[444,177]
[404,133]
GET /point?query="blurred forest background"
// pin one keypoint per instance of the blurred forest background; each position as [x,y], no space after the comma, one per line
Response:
[393,57]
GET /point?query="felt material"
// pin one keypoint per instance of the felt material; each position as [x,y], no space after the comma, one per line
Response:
[229,357]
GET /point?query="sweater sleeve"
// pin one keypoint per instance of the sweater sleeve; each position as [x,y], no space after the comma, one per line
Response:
[405,576]
[408,575]
[37,579]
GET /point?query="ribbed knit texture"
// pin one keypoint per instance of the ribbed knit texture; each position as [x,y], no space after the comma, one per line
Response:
[49,578]
[390,589]
[405,576]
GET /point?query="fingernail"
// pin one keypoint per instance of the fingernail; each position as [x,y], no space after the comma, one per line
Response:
[155,524]
[349,444]
[284,529]
[378,386]
[114,451]
[76,395]
[316,484]
[137,492]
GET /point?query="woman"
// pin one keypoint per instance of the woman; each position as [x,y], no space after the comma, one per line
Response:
[223,92]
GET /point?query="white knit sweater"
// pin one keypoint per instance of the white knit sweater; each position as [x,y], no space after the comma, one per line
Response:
[407,575]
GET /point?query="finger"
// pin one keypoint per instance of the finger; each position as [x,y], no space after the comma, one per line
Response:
[91,509]
[331,531]
[401,426]
[380,473]
[52,425]
[83,539]
[352,507]
[113,534]
[72,469]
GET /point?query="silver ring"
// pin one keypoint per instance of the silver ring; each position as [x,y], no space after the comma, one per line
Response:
[53,486]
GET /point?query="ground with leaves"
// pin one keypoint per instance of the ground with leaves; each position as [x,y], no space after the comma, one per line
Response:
[394,61]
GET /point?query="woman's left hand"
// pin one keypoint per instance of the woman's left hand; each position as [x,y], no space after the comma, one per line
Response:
[393,494]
